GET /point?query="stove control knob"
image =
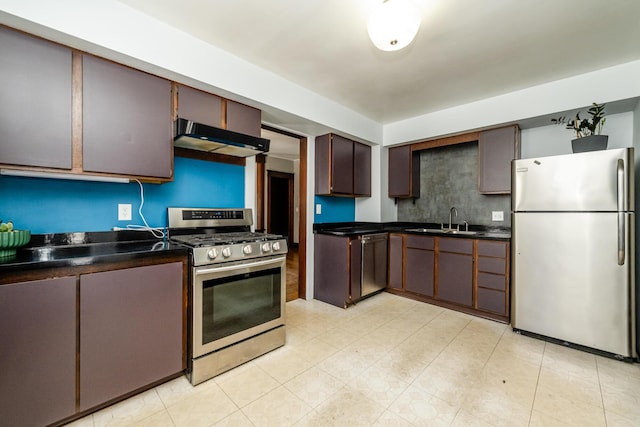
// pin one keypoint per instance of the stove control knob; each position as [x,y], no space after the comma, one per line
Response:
[213,253]
[266,247]
[226,252]
[247,250]
[276,246]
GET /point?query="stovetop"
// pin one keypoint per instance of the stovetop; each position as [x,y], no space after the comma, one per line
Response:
[218,235]
[223,238]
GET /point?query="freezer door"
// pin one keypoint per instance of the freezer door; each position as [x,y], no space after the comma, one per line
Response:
[567,281]
[593,181]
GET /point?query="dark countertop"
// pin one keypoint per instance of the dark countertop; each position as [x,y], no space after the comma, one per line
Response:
[80,249]
[355,229]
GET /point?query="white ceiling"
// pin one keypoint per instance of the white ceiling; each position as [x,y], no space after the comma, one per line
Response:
[465,50]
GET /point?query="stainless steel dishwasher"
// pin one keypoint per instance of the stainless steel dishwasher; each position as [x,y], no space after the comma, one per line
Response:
[373,273]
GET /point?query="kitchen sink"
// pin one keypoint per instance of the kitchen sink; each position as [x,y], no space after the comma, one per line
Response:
[444,231]
[483,233]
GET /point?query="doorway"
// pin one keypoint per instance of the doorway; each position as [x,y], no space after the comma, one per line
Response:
[296,189]
[280,204]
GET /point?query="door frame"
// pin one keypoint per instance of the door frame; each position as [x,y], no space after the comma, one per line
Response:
[302,205]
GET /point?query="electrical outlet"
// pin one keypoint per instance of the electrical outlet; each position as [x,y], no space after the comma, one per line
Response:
[497,215]
[318,209]
[124,212]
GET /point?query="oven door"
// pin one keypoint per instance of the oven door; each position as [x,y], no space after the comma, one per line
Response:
[235,301]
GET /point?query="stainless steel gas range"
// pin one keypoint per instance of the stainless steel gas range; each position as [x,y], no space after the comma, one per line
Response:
[238,288]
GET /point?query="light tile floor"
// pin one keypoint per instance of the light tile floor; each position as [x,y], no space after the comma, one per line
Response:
[390,361]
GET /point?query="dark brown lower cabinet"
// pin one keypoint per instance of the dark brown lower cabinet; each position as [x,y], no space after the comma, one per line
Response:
[493,277]
[130,330]
[395,261]
[419,274]
[336,269]
[455,278]
[471,275]
[455,270]
[37,351]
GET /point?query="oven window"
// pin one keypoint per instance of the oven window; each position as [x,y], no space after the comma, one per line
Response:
[235,303]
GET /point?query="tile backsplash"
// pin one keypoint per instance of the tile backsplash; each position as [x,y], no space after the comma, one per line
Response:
[449,177]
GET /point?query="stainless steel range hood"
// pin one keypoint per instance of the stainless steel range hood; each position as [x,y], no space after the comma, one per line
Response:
[196,136]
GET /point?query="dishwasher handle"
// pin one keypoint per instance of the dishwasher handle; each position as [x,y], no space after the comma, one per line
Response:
[368,238]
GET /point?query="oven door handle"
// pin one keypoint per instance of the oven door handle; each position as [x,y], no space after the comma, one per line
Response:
[236,267]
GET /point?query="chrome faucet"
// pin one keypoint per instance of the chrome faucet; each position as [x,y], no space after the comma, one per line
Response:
[452,211]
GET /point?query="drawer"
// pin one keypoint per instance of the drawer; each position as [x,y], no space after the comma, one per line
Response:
[493,281]
[493,249]
[492,265]
[419,242]
[461,246]
[493,301]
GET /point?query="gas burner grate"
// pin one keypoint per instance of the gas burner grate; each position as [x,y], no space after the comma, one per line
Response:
[204,240]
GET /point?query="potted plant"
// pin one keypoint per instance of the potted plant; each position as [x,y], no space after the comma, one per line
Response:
[588,131]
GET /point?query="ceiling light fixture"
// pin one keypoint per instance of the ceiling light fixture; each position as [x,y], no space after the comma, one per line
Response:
[394,24]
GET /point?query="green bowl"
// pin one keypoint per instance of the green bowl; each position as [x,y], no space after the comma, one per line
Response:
[11,240]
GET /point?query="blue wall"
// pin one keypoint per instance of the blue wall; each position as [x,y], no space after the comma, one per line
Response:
[55,206]
[335,209]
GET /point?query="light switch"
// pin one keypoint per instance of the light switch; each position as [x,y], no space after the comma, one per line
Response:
[497,216]
[318,209]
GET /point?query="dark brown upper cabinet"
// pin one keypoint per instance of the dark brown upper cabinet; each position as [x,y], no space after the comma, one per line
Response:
[36,107]
[343,167]
[126,121]
[199,106]
[361,169]
[496,149]
[243,118]
[404,172]
[213,110]
[65,111]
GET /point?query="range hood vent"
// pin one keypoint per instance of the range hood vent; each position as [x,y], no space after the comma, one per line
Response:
[196,136]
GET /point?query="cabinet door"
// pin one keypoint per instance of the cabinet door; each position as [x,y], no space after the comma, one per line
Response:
[331,280]
[404,172]
[130,330]
[496,149]
[341,165]
[37,351]
[419,271]
[455,278]
[126,118]
[395,261]
[355,272]
[199,106]
[244,119]
[35,107]
[493,277]
[323,165]
[361,169]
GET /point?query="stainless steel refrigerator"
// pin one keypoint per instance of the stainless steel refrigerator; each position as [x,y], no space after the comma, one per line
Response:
[573,249]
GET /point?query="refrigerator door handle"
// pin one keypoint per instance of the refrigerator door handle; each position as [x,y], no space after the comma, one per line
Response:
[621,216]
[621,238]
[621,189]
